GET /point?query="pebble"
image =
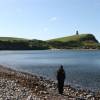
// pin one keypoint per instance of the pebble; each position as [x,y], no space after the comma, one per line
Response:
[10,90]
[41,89]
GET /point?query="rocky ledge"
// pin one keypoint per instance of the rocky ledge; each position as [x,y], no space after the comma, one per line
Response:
[15,85]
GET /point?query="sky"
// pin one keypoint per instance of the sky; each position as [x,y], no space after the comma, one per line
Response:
[47,19]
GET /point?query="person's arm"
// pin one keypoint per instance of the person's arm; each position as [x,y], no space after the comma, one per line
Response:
[64,75]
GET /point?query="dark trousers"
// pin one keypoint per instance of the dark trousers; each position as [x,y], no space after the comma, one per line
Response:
[60,86]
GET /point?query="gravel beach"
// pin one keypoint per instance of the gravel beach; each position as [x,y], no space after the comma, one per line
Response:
[16,85]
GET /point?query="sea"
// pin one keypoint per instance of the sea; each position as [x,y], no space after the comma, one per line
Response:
[82,67]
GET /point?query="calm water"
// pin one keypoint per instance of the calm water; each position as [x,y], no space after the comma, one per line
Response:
[82,67]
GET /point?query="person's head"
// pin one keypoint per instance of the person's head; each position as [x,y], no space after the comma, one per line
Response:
[61,67]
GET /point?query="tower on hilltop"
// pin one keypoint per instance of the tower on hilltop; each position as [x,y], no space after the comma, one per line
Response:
[77,33]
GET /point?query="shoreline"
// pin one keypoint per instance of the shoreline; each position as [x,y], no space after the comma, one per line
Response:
[77,49]
[40,87]
[51,49]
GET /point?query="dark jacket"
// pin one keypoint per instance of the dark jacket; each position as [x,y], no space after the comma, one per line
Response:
[61,75]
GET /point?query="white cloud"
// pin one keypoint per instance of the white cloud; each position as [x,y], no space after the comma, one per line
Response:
[53,18]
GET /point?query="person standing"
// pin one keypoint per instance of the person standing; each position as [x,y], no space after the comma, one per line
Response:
[60,79]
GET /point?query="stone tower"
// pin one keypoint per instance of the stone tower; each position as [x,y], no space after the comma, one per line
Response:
[77,32]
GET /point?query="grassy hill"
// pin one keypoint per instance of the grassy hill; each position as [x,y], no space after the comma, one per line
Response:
[11,39]
[81,37]
[81,41]
[12,43]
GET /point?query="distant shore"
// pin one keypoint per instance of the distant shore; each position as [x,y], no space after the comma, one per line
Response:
[77,49]
[16,85]
[50,49]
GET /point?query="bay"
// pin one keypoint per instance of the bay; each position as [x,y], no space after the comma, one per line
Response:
[82,67]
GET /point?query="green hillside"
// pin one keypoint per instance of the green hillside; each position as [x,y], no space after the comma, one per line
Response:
[79,41]
[81,37]
[10,43]
[11,39]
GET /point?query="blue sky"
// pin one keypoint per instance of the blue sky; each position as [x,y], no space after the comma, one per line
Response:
[46,19]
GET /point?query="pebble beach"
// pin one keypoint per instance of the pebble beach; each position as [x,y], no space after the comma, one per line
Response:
[16,85]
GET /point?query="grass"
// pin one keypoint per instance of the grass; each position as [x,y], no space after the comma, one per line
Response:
[71,38]
[11,39]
